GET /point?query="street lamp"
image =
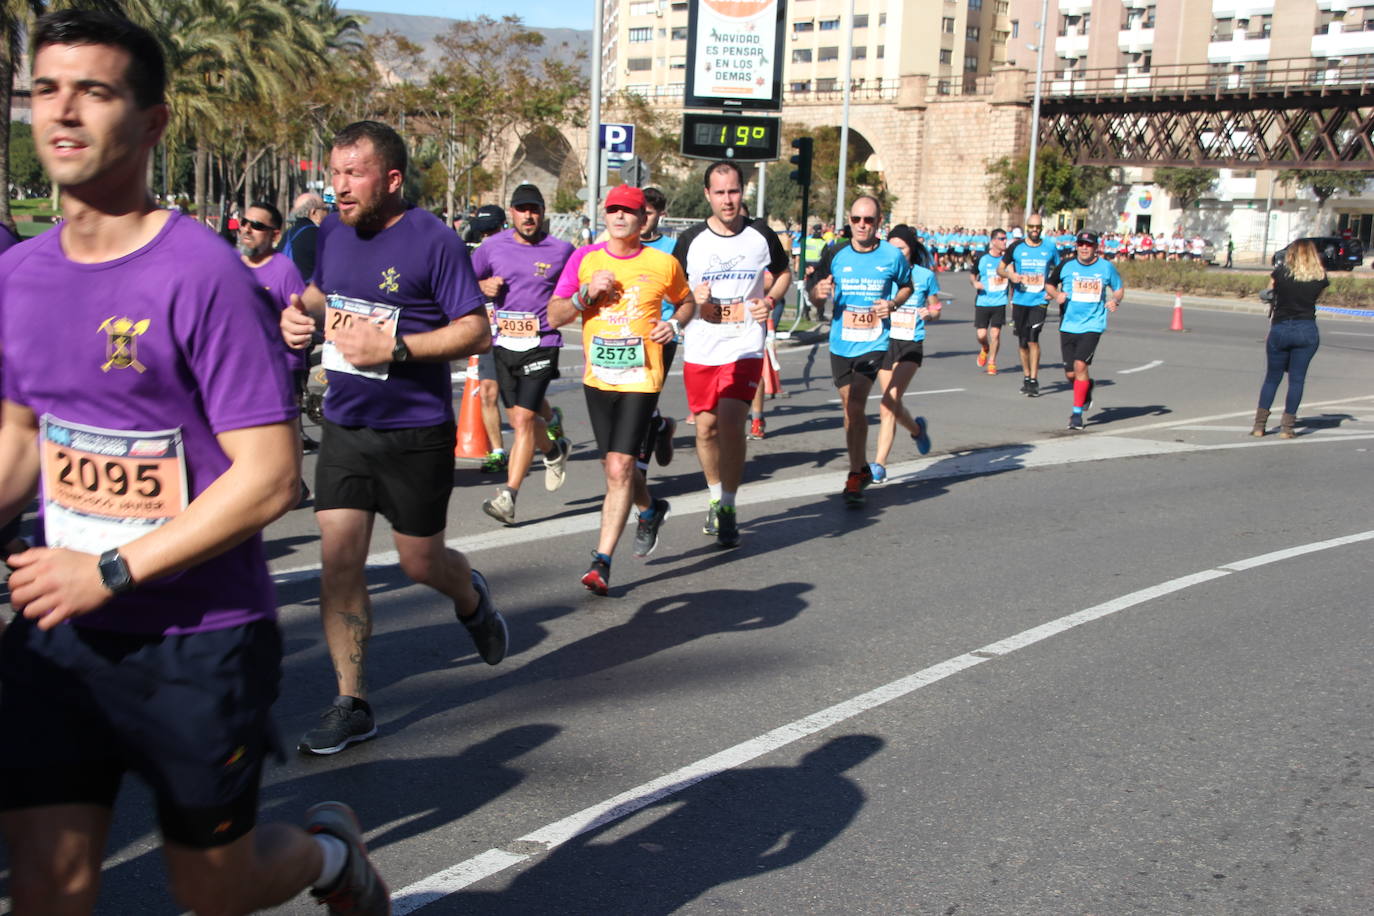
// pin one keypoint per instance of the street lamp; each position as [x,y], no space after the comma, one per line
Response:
[1039,50]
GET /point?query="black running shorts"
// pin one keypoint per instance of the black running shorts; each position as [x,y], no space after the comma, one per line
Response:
[1078,347]
[989,316]
[405,474]
[620,419]
[844,368]
[904,351]
[190,714]
[524,376]
[1030,321]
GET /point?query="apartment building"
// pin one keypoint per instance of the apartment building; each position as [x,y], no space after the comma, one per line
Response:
[1235,42]
[646,48]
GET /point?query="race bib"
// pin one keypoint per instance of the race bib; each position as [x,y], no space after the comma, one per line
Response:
[860,324]
[1033,283]
[730,316]
[1087,289]
[518,331]
[904,322]
[103,488]
[618,360]
[997,284]
[339,313]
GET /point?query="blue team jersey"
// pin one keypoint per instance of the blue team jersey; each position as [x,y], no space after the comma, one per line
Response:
[958,242]
[1065,242]
[1034,264]
[942,242]
[1086,285]
[860,278]
[994,293]
[980,242]
[905,324]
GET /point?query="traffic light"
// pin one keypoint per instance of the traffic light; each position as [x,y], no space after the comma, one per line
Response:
[802,173]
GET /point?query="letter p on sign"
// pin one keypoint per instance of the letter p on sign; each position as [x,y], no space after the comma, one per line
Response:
[618,138]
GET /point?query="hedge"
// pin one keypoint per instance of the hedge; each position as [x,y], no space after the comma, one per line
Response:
[1195,278]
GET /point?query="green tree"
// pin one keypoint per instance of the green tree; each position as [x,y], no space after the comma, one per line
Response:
[15,15]
[1059,184]
[26,171]
[1186,186]
[1325,182]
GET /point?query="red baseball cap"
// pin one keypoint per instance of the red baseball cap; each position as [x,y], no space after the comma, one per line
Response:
[625,195]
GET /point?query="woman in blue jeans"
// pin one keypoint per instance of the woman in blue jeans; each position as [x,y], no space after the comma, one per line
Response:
[1293,339]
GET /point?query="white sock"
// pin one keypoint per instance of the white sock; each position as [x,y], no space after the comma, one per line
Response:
[715,491]
[334,856]
[727,499]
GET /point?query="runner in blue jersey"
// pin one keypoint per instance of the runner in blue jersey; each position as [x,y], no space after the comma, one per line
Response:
[905,352]
[1088,287]
[990,304]
[868,278]
[1026,264]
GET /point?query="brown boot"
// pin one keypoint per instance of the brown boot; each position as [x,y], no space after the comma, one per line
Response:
[1261,419]
[1286,426]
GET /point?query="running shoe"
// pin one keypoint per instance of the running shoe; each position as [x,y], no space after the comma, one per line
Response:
[922,439]
[878,471]
[711,527]
[1025,386]
[727,527]
[865,476]
[756,428]
[992,368]
[854,488]
[663,443]
[556,468]
[982,357]
[555,426]
[308,444]
[346,721]
[597,578]
[359,890]
[494,463]
[1033,388]
[486,626]
[1075,421]
[1088,404]
[501,506]
[646,533]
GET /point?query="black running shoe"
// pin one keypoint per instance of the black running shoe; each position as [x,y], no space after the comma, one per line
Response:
[1025,385]
[359,889]
[486,626]
[1075,421]
[646,533]
[711,526]
[346,721]
[597,578]
[1033,388]
[727,527]
[663,442]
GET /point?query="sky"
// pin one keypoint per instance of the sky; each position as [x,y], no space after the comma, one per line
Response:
[549,14]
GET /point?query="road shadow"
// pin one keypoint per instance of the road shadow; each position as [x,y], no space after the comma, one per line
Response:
[1116,414]
[733,826]
[1325,421]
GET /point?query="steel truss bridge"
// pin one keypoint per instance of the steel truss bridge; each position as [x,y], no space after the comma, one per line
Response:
[1283,114]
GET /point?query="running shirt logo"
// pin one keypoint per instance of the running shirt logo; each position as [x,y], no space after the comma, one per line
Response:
[541,268]
[389,278]
[121,345]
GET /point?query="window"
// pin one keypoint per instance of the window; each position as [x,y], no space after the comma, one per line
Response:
[1266,25]
[999,37]
[1016,28]
[801,56]
[972,33]
[807,26]
[643,8]
[677,62]
[881,49]
[830,53]
[882,20]
[975,4]
[946,56]
[861,21]
[829,25]
[859,52]
[947,25]
[970,63]
[1223,29]
[829,84]
[680,34]
[1145,60]
[638,64]
[641,34]
[799,86]
[1001,8]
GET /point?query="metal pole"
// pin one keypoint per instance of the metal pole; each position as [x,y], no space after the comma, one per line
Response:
[1268,209]
[763,179]
[1035,110]
[848,53]
[594,127]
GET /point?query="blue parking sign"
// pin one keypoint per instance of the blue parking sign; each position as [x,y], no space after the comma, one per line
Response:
[618,138]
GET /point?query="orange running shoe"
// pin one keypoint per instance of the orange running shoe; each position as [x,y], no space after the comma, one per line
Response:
[982,357]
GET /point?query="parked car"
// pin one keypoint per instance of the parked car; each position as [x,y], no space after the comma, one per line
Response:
[1337,253]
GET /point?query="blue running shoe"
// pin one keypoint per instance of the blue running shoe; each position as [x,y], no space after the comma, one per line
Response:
[922,439]
[878,471]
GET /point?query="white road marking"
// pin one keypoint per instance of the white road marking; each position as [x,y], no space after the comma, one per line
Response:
[1168,424]
[1349,333]
[1150,365]
[1045,453]
[493,861]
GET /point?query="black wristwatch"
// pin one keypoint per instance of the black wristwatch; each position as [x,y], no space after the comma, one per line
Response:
[400,353]
[114,572]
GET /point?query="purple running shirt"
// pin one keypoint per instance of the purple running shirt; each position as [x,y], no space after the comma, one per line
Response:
[530,272]
[279,276]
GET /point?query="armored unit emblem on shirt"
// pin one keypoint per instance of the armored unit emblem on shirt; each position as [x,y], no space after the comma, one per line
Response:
[121,347]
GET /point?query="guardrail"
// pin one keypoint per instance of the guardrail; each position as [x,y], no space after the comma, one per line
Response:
[1288,76]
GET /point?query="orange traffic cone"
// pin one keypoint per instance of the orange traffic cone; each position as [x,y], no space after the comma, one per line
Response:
[472,434]
[772,381]
[1177,323]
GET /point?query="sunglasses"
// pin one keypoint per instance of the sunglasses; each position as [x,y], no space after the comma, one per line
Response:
[999,238]
[254,224]
[864,220]
[619,209]
[528,208]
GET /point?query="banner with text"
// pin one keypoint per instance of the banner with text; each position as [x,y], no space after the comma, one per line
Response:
[734,54]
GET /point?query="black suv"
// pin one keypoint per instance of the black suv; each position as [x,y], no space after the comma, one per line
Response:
[1337,253]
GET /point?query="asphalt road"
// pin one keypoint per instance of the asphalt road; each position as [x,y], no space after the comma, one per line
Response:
[1039,672]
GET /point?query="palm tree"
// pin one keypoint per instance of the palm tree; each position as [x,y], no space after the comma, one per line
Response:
[15,15]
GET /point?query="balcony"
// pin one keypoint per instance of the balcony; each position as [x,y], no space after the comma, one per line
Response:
[1071,46]
[1238,50]
[1241,9]
[1342,44]
[1136,40]
[1074,7]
